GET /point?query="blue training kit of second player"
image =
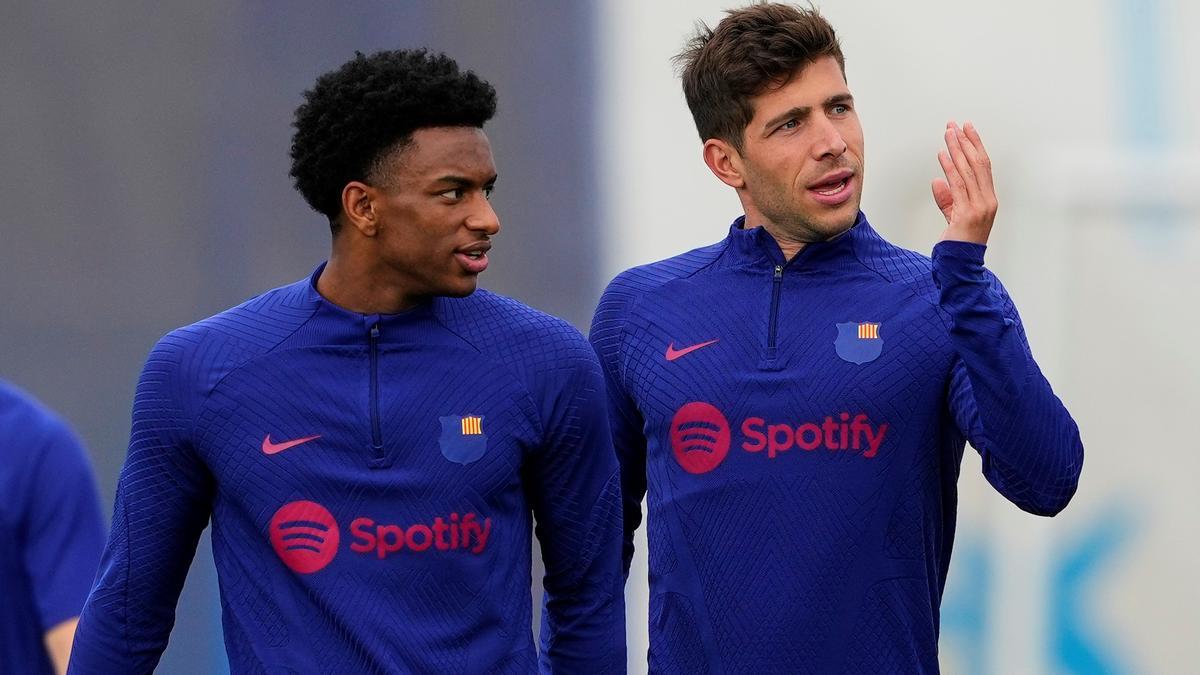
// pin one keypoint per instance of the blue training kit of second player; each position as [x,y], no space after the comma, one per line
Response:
[371,482]
[800,426]
[51,529]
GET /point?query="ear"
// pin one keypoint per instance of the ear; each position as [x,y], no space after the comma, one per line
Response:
[358,208]
[725,162]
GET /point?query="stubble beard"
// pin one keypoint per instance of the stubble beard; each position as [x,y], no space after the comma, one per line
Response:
[796,226]
[786,220]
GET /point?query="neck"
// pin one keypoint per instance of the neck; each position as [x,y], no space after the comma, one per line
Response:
[363,286]
[788,245]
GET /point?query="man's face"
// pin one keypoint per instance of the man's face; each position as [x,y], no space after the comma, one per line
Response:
[434,216]
[802,156]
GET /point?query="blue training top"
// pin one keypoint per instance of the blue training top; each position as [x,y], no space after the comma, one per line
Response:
[371,482]
[51,530]
[799,426]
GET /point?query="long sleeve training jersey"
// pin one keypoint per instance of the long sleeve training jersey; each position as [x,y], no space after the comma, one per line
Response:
[799,426]
[51,529]
[371,481]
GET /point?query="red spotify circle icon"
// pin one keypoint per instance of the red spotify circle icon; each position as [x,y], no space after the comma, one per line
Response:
[305,536]
[699,437]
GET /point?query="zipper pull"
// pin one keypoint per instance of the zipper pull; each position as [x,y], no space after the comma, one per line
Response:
[375,331]
[778,272]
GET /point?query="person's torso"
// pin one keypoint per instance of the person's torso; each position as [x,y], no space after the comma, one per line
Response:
[369,512]
[22,431]
[799,454]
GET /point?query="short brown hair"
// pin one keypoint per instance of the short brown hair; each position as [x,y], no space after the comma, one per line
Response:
[752,49]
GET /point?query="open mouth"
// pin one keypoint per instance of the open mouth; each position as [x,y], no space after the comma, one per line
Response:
[834,189]
[473,258]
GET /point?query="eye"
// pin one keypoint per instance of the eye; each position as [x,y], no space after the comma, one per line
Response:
[840,109]
[454,195]
[789,125]
[487,191]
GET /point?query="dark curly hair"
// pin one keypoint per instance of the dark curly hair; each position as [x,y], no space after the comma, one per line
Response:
[354,116]
[753,48]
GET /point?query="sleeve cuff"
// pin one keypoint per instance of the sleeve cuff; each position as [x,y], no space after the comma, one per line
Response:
[959,250]
[956,263]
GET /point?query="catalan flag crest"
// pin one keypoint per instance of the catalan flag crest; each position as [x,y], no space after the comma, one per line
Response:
[462,440]
[859,341]
[868,331]
[472,425]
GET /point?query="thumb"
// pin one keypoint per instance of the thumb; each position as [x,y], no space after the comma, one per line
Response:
[942,197]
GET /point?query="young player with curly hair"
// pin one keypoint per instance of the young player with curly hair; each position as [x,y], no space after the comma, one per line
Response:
[373,442]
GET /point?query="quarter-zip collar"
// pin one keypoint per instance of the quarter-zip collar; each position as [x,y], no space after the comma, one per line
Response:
[756,247]
[338,325]
[343,326]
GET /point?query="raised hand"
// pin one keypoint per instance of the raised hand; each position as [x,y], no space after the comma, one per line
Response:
[966,196]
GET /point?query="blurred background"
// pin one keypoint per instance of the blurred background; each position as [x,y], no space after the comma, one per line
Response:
[143,169]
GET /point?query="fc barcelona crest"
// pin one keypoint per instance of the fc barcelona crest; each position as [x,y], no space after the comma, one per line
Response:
[858,342]
[462,440]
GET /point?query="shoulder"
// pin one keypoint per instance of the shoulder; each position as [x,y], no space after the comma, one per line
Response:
[193,358]
[645,278]
[24,416]
[523,338]
[624,291]
[20,411]
[491,322]
[30,431]
[897,265]
[261,322]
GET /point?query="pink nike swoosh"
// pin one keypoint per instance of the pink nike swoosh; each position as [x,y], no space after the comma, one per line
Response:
[272,448]
[673,353]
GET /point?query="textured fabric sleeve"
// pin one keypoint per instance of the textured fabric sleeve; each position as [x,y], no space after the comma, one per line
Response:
[163,502]
[574,488]
[1029,444]
[66,530]
[627,427]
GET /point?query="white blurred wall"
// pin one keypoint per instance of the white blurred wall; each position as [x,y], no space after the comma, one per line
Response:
[1087,109]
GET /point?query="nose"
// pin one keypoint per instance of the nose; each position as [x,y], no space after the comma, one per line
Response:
[483,218]
[829,143]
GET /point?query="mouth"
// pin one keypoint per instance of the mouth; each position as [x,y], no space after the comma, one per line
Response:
[833,189]
[473,258]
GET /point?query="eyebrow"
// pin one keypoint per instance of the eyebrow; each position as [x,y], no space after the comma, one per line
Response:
[462,181]
[803,111]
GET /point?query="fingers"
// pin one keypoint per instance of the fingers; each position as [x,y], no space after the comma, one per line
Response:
[978,164]
[954,180]
[943,198]
[981,161]
[957,145]
[972,134]
[967,197]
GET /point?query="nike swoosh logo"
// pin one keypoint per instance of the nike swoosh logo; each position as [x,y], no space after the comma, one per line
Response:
[273,448]
[673,353]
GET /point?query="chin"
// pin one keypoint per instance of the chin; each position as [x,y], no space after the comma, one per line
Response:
[843,219]
[460,290]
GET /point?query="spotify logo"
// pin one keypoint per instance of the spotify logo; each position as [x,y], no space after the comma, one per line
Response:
[699,437]
[305,536]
